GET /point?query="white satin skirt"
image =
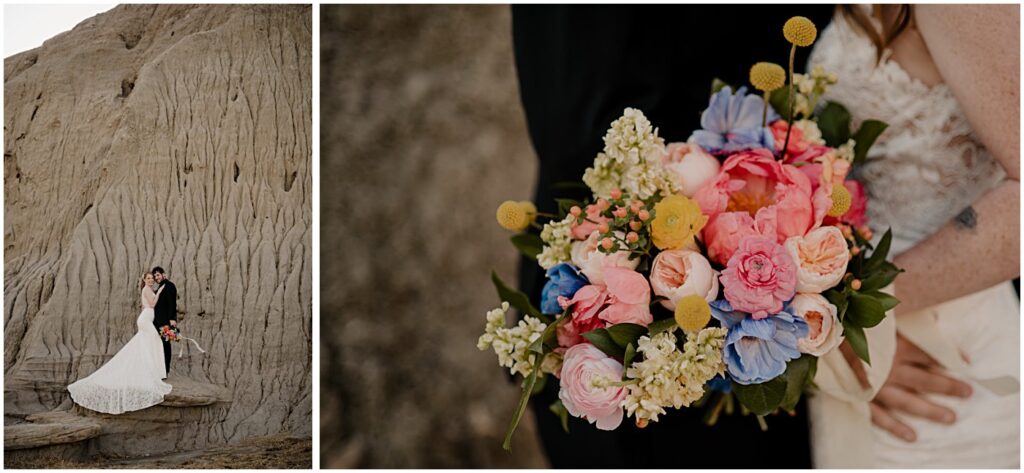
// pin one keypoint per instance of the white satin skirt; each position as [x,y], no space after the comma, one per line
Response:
[985,328]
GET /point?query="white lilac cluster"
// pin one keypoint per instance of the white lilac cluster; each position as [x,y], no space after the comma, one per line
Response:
[809,88]
[631,161]
[669,377]
[557,237]
[845,150]
[810,131]
[511,344]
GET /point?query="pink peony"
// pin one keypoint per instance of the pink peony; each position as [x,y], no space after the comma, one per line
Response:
[679,273]
[690,166]
[583,230]
[592,262]
[760,277]
[821,257]
[629,298]
[777,198]
[583,364]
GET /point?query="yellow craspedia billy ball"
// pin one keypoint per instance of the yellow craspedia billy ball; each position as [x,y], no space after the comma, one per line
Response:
[767,76]
[677,220]
[512,216]
[529,208]
[800,31]
[692,313]
[841,201]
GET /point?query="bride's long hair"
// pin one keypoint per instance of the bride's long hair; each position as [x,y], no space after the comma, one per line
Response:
[142,280]
[890,29]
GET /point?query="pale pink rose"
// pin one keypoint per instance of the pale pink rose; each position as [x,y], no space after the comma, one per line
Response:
[592,262]
[676,274]
[629,298]
[825,331]
[774,196]
[583,364]
[593,220]
[760,277]
[821,257]
[690,166]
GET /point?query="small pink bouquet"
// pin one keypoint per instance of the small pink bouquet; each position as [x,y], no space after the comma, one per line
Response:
[706,273]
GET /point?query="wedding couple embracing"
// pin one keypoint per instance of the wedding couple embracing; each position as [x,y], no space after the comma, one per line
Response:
[942,389]
[133,378]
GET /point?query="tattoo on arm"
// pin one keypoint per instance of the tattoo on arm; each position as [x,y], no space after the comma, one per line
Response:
[968,218]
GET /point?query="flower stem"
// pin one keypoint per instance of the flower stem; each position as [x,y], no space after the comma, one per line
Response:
[531,380]
[789,128]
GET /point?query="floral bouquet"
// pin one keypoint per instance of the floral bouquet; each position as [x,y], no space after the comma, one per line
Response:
[171,334]
[702,273]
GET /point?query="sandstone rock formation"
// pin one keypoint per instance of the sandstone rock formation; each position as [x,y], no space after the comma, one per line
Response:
[171,135]
[422,136]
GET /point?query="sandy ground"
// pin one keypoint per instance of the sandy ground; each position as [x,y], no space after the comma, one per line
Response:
[277,452]
[422,137]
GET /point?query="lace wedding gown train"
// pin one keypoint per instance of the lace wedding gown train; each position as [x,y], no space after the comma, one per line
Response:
[924,170]
[132,379]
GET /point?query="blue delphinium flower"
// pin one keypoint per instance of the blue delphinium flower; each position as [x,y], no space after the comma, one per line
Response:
[732,122]
[757,351]
[563,280]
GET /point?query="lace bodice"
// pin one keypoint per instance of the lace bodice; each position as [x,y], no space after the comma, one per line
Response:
[928,166]
[148,297]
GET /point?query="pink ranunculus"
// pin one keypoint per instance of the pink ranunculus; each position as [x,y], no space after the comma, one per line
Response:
[760,277]
[797,143]
[690,166]
[593,262]
[775,196]
[583,364]
[821,257]
[593,220]
[679,273]
[629,298]
[825,332]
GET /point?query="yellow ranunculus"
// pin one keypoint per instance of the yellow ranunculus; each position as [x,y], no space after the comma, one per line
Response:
[677,220]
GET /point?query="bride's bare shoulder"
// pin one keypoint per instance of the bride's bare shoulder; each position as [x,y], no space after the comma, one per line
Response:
[977,50]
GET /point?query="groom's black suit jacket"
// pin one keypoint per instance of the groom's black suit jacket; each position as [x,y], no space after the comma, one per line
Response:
[578,68]
[166,308]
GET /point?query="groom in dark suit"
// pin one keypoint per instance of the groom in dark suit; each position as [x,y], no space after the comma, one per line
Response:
[578,68]
[166,310]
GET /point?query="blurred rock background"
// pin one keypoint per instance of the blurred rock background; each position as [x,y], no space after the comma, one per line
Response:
[422,136]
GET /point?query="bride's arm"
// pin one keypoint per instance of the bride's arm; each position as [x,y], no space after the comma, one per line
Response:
[976,49]
[147,293]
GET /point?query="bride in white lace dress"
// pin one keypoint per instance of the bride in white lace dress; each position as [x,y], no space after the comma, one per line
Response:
[132,379]
[944,176]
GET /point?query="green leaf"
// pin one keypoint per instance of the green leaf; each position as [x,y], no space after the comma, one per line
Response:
[880,277]
[563,414]
[865,311]
[779,101]
[602,341]
[834,123]
[717,85]
[865,137]
[529,244]
[881,252]
[627,359]
[662,325]
[887,301]
[625,333]
[858,341]
[517,299]
[838,298]
[517,415]
[761,398]
[796,375]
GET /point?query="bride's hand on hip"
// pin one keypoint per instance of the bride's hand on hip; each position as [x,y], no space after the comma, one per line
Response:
[913,373]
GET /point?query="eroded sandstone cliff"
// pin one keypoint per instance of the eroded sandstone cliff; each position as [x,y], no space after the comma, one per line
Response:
[171,135]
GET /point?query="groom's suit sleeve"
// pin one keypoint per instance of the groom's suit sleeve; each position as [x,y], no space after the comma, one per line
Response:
[172,302]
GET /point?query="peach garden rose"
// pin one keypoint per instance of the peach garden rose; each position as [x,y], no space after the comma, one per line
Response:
[679,273]
[821,257]
[825,331]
